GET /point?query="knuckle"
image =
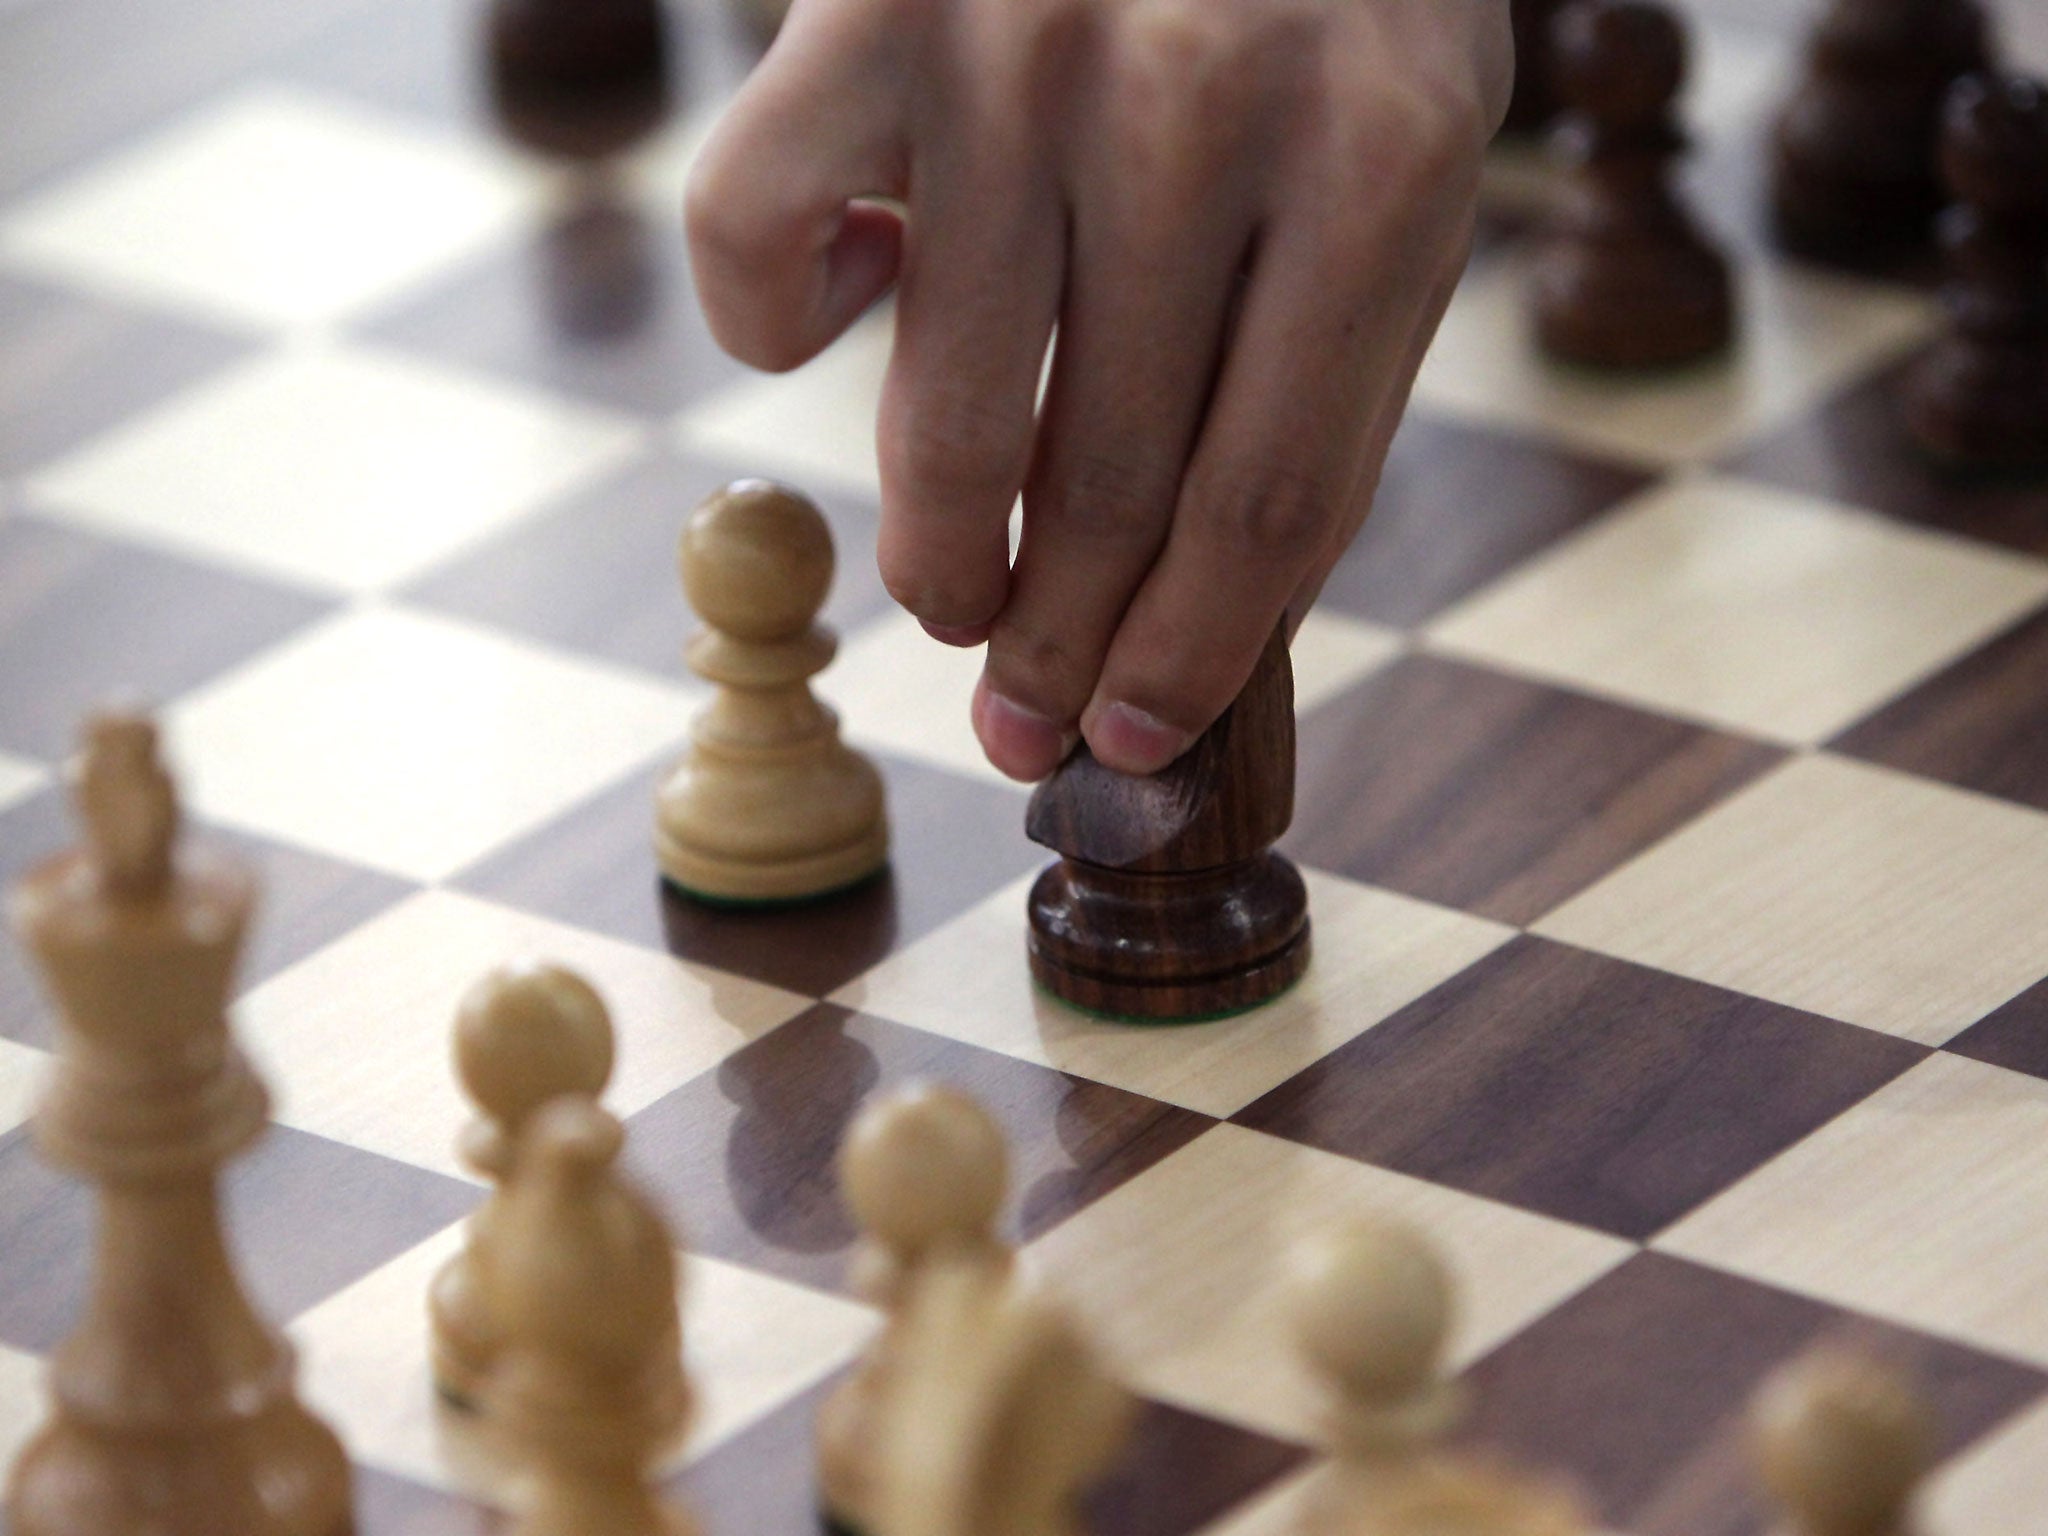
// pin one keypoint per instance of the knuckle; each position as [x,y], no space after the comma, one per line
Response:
[1037,668]
[949,446]
[1272,512]
[1106,498]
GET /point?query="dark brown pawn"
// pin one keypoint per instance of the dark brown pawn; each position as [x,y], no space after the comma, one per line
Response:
[1168,902]
[582,78]
[1853,174]
[1978,398]
[1623,278]
[1534,102]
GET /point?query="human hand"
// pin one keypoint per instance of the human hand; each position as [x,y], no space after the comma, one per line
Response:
[1244,217]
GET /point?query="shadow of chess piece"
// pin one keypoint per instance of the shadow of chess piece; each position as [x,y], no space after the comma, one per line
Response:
[173,1406]
[1623,278]
[1853,174]
[524,1035]
[1168,902]
[599,268]
[583,79]
[1534,101]
[769,805]
[1978,397]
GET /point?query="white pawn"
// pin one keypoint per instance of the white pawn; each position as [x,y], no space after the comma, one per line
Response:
[998,1415]
[1371,1307]
[924,1171]
[524,1034]
[589,1392]
[1842,1443]
[769,805]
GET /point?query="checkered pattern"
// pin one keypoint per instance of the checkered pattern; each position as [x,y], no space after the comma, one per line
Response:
[1672,803]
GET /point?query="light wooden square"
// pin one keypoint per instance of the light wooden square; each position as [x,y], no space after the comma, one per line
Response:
[814,427]
[970,981]
[1998,1484]
[1745,607]
[19,778]
[339,468]
[355,1038]
[1926,1204]
[1179,1270]
[23,1070]
[1801,333]
[277,207]
[413,743]
[1844,889]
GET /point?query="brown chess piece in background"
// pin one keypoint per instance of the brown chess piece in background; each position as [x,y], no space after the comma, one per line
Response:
[524,1035]
[580,78]
[1169,902]
[1534,101]
[1978,397]
[768,805]
[589,1392]
[1853,155]
[173,1407]
[1623,278]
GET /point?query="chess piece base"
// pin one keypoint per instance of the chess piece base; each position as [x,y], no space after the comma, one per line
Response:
[1656,308]
[729,882]
[1981,408]
[75,1480]
[1169,948]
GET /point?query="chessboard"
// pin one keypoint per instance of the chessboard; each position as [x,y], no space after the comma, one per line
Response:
[1673,798]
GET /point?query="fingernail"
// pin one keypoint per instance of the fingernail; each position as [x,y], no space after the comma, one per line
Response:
[1021,742]
[964,635]
[1129,740]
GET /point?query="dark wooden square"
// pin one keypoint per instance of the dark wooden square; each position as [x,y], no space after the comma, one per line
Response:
[1982,723]
[1854,449]
[307,900]
[74,364]
[370,1210]
[1458,505]
[1638,1387]
[1580,1086]
[954,841]
[1494,794]
[598,574]
[2014,1035]
[744,1155]
[159,626]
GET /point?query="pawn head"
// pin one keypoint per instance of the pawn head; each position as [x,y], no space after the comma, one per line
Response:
[756,561]
[922,1164]
[1841,1442]
[527,1033]
[1618,61]
[1370,1304]
[1994,142]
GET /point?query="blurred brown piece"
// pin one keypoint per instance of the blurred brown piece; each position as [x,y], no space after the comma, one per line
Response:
[584,79]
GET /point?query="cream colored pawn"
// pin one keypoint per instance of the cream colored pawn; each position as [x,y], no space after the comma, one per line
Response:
[924,1171]
[588,1395]
[524,1034]
[1371,1305]
[1843,1444]
[999,1416]
[769,805]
